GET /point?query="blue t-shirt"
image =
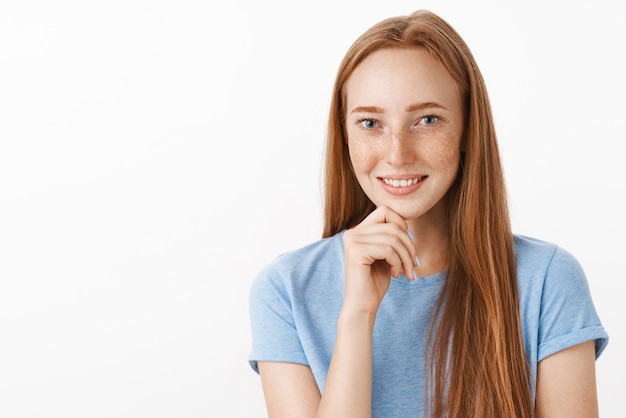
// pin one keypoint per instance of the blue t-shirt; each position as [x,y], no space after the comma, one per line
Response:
[295,303]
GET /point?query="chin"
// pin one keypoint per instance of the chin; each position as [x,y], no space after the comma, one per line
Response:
[409,214]
[407,211]
[417,208]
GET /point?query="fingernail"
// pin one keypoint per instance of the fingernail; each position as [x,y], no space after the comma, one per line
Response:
[417,260]
[410,234]
[414,275]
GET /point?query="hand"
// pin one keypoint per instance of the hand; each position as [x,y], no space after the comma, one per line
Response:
[376,249]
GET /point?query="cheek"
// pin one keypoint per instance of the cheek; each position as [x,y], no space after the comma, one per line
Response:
[445,156]
[362,157]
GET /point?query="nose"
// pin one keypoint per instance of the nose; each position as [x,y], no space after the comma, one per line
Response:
[400,149]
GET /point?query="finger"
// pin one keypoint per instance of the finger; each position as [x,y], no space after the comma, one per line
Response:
[382,252]
[389,236]
[384,214]
[393,217]
[405,236]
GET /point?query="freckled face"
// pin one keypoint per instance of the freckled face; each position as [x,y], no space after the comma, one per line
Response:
[404,122]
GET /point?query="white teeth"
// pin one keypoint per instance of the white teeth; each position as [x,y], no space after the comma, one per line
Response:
[401,183]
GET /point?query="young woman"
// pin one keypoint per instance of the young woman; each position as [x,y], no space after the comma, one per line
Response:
[420,301]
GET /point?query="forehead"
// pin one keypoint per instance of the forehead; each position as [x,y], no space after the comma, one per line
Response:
[400,74]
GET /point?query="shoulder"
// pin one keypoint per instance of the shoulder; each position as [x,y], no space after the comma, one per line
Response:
[537,257]
[323,251]
[547,271]
[311,263]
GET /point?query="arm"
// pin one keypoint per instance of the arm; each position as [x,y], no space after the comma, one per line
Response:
[375,250]
[566,384]
[291,391]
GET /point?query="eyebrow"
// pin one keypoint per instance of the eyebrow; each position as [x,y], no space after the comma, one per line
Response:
[425,105]
[411,108]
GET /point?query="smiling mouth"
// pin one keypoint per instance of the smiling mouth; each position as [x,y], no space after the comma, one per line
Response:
[403,182]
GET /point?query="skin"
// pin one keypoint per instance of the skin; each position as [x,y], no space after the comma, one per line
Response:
[566,383]
[403,120]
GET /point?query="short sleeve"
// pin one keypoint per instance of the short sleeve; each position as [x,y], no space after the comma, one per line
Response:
[568,316]
[274,333]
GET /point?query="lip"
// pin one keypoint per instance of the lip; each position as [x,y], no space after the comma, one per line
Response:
[401,191]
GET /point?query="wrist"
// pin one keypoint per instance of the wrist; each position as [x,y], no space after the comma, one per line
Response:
[357,319]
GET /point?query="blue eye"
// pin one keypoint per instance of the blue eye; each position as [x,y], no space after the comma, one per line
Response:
[429,120]
[368,123]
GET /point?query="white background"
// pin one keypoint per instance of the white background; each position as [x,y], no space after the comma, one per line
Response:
[154,155]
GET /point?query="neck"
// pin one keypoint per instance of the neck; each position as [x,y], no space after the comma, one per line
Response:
[431,240]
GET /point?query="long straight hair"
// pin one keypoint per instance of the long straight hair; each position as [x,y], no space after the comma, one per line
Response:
[477,366]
